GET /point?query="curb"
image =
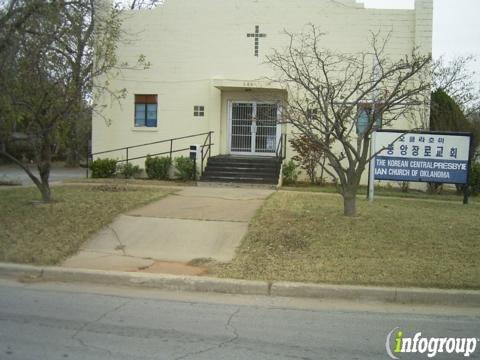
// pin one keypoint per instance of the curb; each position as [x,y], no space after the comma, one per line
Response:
[468,298]
[157,281]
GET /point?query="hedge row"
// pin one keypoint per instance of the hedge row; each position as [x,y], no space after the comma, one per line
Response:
[158,168]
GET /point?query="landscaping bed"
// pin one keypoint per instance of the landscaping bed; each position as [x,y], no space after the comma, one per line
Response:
[302,236]
[131,182]
[46,234]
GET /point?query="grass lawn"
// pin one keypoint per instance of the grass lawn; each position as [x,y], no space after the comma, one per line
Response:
[48,233]
[301,236]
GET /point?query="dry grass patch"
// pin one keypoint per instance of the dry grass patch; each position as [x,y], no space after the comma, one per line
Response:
[447,194]
[393,242]
[48,233]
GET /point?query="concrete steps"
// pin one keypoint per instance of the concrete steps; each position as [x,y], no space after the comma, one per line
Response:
[242,169]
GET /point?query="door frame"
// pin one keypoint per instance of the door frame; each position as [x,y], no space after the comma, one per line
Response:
[229,126]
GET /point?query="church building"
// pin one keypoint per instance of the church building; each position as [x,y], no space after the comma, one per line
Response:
[208,75]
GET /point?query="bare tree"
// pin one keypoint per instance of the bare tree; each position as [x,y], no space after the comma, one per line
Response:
[457,78]
[337,85]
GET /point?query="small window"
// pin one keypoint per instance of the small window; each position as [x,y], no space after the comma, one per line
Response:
[199,110]
[363,117]
[146,110]
[312,114]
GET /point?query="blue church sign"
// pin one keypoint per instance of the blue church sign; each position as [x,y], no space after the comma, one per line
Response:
[423,157]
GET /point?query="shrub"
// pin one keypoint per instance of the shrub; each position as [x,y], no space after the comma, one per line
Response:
[474,180]
[290,173]
[104,168]
[184,168]
[404,186]
[434,188]
[128,170]
[157,167]
[309,156]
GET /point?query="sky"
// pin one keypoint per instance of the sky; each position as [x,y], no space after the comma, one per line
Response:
[455,27]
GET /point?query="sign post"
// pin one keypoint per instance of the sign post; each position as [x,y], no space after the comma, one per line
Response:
[439,157]
[194,153]
[371,173]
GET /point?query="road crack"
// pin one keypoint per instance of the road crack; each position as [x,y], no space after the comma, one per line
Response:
[86,325]
[229,327]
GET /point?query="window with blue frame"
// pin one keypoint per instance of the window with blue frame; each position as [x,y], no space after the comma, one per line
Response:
[146,110]
[364,114]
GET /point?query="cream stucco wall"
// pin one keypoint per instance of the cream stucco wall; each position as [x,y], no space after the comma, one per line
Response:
[200,55]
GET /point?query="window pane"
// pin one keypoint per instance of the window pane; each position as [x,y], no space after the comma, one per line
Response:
[139,115]
[140,110]
[152,115]
[378,121]
[362,121]
[152,112]
[139,121]
[152,122]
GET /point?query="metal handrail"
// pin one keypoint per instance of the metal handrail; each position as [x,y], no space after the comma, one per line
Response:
[170,152]
[203,156]
[150,143]
[281,151]
[279,146]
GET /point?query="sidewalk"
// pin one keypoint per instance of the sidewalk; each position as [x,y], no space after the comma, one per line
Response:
[194,223]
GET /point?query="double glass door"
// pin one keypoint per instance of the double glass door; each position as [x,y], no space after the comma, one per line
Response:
[254,127]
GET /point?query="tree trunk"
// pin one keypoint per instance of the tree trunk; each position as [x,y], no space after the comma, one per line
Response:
[41,184]
[322,166]
[44,160]
[45,191]
[349,202]
[44,187]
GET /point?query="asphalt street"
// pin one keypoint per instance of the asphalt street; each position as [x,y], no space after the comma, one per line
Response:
[58,173]
[74,321]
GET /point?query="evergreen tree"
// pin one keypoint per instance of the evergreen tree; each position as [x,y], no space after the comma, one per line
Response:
[446,115]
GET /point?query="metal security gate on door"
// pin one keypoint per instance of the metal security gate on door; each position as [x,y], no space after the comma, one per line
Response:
[254,127]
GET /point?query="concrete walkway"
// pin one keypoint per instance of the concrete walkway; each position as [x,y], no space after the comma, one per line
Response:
[196,222]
